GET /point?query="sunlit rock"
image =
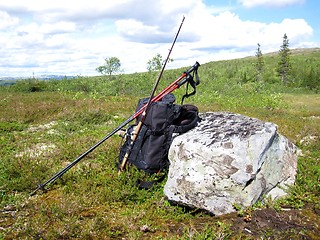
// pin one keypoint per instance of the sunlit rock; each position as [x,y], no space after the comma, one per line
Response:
[227,160]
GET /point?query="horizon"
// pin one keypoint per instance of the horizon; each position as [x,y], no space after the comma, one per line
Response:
[61,76]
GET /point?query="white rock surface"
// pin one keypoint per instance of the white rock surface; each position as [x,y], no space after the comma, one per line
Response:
[229,159]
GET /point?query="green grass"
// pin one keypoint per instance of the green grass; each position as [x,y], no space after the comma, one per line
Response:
[46,125]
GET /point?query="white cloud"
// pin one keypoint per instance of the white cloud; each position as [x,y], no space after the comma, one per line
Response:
[136,30]
[226,36]
[269,3]
[75,37]
[57,28]
[7,21]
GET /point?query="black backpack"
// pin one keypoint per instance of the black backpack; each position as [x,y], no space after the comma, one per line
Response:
[164,118]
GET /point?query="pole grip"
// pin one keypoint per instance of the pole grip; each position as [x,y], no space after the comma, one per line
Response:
[188,74]
[193,68]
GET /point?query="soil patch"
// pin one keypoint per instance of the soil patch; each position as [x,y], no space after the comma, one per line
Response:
[285,224]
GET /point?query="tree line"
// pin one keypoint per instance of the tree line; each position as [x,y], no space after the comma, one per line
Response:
[305,73]
[284,64]
[112,65]
[286,74]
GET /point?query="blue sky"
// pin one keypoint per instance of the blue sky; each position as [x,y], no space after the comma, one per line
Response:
[74,37]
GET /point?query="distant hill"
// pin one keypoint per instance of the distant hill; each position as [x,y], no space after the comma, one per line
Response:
[5,81]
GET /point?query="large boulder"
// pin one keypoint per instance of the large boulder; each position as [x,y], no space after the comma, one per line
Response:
[228,160]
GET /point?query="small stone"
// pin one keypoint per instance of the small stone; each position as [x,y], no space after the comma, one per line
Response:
[144,228]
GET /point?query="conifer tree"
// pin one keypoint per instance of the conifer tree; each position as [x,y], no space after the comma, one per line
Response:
[284,65]
[259,64]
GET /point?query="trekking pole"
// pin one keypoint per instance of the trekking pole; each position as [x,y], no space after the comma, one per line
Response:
[144,114]
[142,110]
[174,85]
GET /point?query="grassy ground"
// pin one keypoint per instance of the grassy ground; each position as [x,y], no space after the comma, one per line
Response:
[44,126]
[42,132]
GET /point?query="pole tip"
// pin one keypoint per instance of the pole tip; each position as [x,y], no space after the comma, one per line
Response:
[40,186]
